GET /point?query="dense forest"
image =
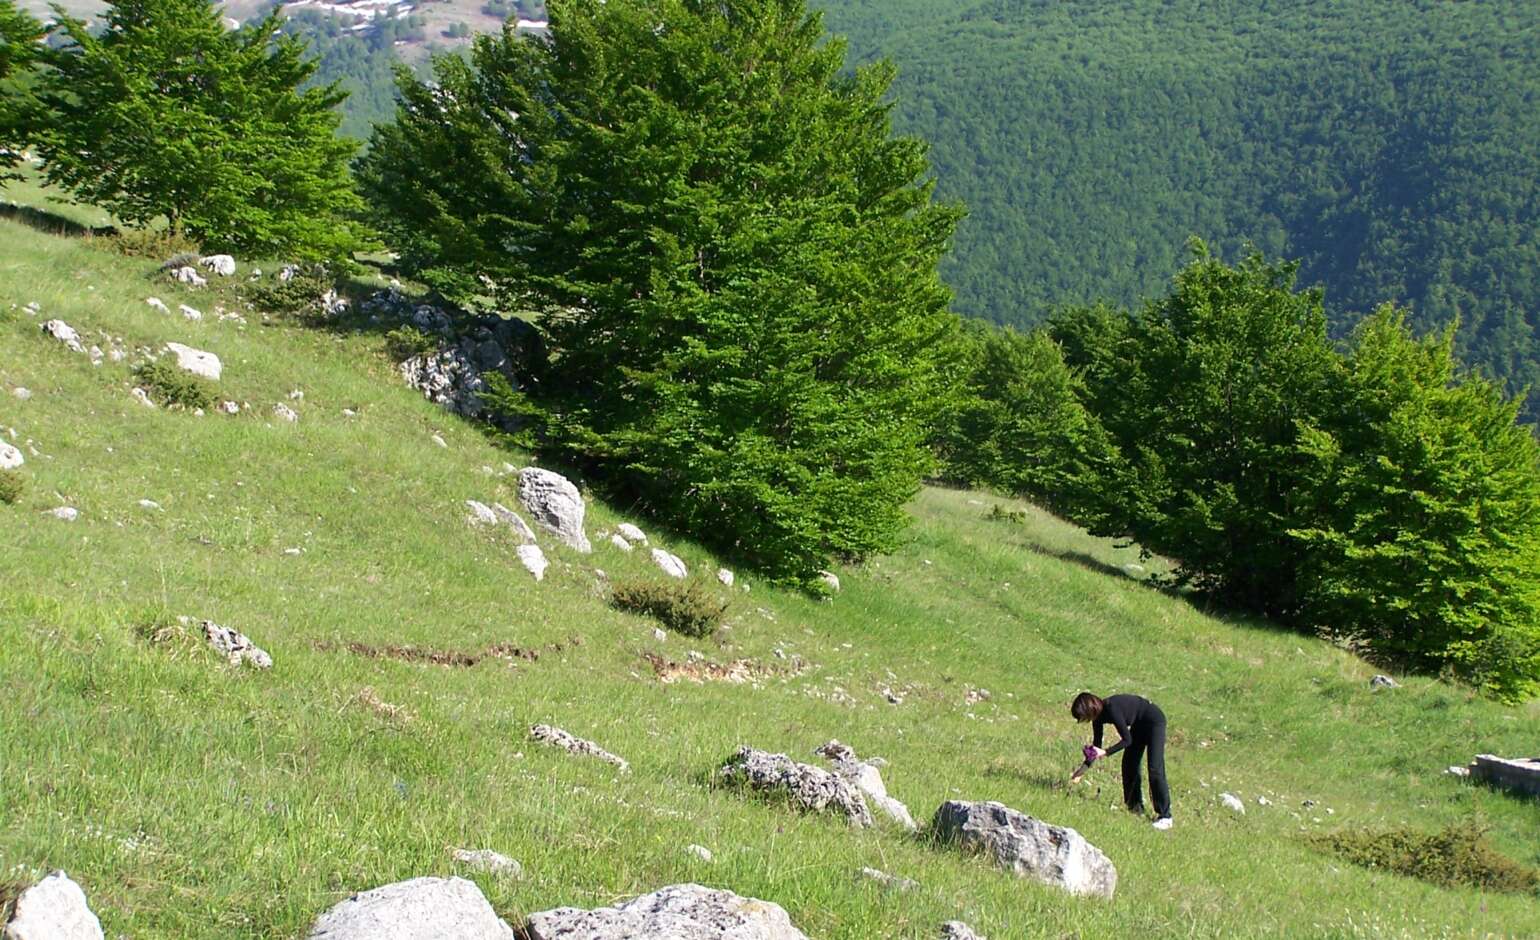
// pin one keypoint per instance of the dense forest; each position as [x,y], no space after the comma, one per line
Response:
[1390,147]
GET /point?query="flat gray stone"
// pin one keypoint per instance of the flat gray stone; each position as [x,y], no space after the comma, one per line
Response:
[196,361]
[809,788]
[419,909]
[1053,855]
[678,912]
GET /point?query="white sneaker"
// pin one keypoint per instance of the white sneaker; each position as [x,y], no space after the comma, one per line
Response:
[1163,823]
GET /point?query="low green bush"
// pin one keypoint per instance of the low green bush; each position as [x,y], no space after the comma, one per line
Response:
[157,244]
[172,387]
[687,607]
[405,342]
[299,296]
[12,483]
[998,513]
[1459,855]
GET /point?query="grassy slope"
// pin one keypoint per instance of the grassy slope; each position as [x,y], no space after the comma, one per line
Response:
[196,801]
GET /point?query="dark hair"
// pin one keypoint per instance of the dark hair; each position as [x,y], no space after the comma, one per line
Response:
[1085,707]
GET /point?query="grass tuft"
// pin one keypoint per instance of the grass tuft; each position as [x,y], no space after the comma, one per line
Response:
[686,607]
[12,485]
[173,387]
[1458,855]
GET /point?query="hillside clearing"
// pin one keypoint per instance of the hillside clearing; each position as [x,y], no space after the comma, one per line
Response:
[193,800]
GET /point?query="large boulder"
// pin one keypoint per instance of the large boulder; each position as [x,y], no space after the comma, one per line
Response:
[807,787]
[1053,855]
[867,777]
[222,265]
[53,909]
[678,912]
[196,361]
[555,504]
[419,909]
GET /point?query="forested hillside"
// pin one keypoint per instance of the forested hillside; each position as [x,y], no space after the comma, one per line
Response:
[1391,147]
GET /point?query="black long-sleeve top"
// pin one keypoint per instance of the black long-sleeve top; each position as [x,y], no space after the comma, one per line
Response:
[1124,712]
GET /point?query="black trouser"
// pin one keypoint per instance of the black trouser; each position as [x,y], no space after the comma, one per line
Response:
[1150,734]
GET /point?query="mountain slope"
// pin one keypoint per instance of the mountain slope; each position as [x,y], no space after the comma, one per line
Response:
[192,800]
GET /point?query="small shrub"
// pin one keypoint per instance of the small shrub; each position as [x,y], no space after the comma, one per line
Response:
[172,387]
[405,342]
[11,485]
[1459,855]
[299,296]
[687,607]
[999,513]
[150,243]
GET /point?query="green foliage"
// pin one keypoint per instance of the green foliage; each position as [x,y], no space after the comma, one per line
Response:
[164,113]
[998,513]
[736,258]
[152,243]
[1018,424]
[12,485]
[299,296]
[1390,146]
[19,35]
[1457,856]
[405,342]
[1373,495]
[173,387]
[1427,537]
[690,608]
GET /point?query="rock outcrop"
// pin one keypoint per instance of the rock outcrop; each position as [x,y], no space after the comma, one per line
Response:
[419,909]
[222,265]
[1053,855]
[572,744]
[867,778]
[806,787]
[678,912]
[196,361]
[65,334]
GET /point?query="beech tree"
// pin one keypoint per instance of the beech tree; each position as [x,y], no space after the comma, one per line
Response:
[20,34]
[165,113]
[734,255]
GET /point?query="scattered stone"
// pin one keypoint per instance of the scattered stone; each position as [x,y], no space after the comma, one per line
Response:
[287,272]
[284,412]
[10,456]
[631,533]
[726,577]
[807,787]
[143,397]
[891,882]
[975,696]
[1264,801]
[533,560]
[149,504]
[187,274]
[672,564]
[678,912]
[1133,570]
[33,308]
[230,407]
[546,734]
[556,505]
[65,334]
[158,304]
[1054,855]
[1233,803]
[190,313]
[1520,775]
[235,646]
[53,909]
[296,395]
[481,514]
[222,265]
[700,852]
[96,355]
[620,542]
[24,394]
[1456,770]
[439,440]
[64,513]
[957,930]
[1383,682]
[419,909]
[515,522]
[488,861]
[830,580]
[892,697]
[868,779]
[196,361]
[659,634]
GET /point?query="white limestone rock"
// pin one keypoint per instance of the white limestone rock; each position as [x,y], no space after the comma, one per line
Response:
[809,788]
[285,413]
[10,456]
[419,909]
[678,912]
[555,504]
[726,577]
[53,909]
[481,514]
[65,334]
[488,861]
[619,541]
[1054,855]
[556,737]
[187,274]
[235,646]
[631,533]
[189,313]
[196,361]
[533,560]
[672,564]
[1233,803]
[868,779]
[157,304]
[222,265]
